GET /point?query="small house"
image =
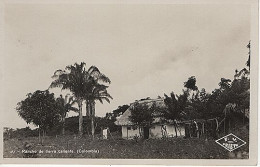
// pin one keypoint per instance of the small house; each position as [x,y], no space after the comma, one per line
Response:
[159,128]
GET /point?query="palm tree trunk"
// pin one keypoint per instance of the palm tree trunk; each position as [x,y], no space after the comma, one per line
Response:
[92,119]
[42,136]
[80,118]
[175,128]
[87,108]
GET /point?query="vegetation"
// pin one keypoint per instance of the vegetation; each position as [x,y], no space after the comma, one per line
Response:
[174,148]
[229,104]
[143,115]
[65,105]
[40,108]
[84,85]
[73,79]
[117,112]
[95,91]
[18,133]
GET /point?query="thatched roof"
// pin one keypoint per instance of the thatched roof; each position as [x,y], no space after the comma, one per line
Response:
[125,118]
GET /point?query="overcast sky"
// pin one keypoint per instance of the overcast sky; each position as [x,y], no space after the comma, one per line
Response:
[146,50]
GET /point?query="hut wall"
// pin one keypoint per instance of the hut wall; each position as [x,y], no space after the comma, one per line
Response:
[157,131]
[129,132]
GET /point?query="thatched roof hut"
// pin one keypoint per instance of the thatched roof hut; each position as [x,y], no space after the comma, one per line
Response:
[125,118]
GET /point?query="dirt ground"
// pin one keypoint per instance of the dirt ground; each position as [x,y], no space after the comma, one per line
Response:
[72,147]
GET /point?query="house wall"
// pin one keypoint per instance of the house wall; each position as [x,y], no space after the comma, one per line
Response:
[157,131]
[130,133]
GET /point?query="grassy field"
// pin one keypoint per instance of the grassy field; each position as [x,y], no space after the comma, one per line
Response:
[72,147]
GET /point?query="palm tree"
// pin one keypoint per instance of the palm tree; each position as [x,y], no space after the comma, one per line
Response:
[96,91]
[65,105]
[73,78]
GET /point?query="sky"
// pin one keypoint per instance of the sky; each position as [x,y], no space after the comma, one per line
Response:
[146,50]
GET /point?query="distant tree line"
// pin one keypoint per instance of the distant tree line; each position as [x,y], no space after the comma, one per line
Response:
[193,103]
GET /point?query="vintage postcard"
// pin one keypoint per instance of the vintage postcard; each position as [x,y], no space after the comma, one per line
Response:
[129,82]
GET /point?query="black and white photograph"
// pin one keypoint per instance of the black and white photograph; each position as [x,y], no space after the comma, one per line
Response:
[122,80]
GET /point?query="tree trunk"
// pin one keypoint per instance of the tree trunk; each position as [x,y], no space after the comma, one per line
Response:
[63,127]
[92,119]
[80,118]
[87,108]
[42,136]
[244,114]
[175,129]
[225,126]
[229,125]
[39,135]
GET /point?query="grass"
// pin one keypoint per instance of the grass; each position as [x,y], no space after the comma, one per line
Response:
[116,148]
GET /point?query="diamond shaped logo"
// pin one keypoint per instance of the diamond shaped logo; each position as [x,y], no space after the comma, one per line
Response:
[230,142]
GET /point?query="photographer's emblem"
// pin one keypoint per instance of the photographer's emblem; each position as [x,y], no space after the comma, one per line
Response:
[230,142]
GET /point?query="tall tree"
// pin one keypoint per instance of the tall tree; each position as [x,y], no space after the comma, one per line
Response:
[176,106]
[65,105]
[73,78]
[41,109]
[199,104]
[96,91]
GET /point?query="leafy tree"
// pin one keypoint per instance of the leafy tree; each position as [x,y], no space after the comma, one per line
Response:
[143,114]
[175,105]
[41,109]
[191,83]
[117,112]
[65,105]
[199,104]
[240,93]
[73,78]
[224,84]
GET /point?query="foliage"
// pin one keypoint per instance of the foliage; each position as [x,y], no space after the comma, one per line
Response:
[198,106]
[174,148]
[96,91]
[191,83]
[73,78]
[20,133]
[71,125]
[143,114]
[175,105]
[65,105]
[203,105]
[116,113]
[40,108]
[85,85]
